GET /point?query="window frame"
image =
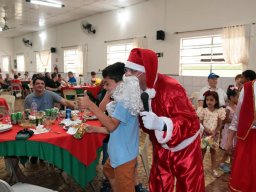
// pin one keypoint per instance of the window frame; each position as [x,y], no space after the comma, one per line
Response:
[206,62]
[2,63]
[18,68]
[125,52]
[80,57]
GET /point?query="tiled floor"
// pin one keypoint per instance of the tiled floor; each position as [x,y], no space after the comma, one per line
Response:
[48,177]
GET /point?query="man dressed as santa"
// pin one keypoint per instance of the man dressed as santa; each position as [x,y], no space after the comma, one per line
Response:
[173,127]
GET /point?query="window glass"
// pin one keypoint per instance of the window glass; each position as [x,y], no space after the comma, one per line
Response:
[200,56]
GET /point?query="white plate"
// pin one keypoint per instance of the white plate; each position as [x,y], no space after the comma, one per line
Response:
[5,127]
[68,122]
[91,117]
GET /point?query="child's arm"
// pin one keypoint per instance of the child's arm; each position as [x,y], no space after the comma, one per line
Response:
[227,119]
[110,123]
[219,125]
[104,102]
[94,129]
[229,144]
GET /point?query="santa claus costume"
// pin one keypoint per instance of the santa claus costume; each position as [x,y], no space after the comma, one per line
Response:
[243,173]
[173,127]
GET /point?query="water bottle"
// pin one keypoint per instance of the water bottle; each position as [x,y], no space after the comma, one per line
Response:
[68,113]
[33,108]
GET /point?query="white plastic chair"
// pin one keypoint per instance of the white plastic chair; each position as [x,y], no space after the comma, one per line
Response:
[10,99]
[70,92]
[22,187]
[17,89]
[144,155]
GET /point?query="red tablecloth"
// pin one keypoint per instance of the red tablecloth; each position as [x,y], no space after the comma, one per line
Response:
[4,103]
[93,89]
[84,149]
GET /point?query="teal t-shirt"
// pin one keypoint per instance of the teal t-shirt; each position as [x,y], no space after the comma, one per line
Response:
[45,101]
[123,143]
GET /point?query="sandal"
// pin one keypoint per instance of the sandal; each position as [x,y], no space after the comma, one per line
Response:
[215,173]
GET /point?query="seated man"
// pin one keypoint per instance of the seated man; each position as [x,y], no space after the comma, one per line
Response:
[94,80]
[71,78]
[53,84]
[45,99]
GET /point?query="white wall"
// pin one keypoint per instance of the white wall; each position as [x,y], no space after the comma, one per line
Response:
[145,19]
[6,48]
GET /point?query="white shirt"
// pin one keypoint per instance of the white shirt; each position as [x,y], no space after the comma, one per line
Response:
[234,123]
[222,95]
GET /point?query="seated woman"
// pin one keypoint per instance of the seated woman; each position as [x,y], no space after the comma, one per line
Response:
[16,85]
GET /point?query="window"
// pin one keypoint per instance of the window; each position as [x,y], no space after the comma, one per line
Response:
[43,61]
[118,52]
[20,63]
[5,63]
[200,56]
[73,60]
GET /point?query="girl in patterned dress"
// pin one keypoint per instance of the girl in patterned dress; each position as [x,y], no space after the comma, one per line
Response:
[233,94]
[211,116]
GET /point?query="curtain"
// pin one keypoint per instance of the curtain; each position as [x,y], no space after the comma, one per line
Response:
[236,44]
[140,42]
[43,61]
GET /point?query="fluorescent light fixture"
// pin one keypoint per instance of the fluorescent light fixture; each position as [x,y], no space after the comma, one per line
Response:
[51,3]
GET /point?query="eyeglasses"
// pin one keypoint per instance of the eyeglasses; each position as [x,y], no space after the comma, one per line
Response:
[126,69]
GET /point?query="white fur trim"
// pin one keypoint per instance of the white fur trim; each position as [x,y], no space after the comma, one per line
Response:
[151,92]
[159,134]
[135,66]
[183,144]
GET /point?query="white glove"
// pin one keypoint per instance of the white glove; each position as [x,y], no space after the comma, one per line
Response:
[151,121]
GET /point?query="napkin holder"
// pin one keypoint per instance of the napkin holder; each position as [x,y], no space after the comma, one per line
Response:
[24,134]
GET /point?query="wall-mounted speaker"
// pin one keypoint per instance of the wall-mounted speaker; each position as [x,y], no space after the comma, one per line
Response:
[53,50]
[160,35]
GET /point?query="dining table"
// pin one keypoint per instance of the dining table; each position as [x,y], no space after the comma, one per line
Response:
[77,157]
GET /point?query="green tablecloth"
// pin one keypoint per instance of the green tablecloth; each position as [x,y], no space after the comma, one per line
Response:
[59,157]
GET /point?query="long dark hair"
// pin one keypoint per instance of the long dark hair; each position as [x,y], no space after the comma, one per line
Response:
[215,96]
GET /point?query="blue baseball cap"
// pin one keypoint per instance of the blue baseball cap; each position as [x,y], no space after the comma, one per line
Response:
[212,76]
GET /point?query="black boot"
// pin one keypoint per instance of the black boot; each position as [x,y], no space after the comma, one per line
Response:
[106,186]
[139,188]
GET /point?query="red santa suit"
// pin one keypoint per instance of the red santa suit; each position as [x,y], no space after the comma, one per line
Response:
[243,174]
[176,151]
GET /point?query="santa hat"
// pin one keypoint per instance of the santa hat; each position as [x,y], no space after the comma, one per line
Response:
[144,60]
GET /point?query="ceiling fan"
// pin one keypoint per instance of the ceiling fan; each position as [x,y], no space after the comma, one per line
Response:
[6,27]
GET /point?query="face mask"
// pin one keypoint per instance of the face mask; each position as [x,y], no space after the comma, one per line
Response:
[139,75]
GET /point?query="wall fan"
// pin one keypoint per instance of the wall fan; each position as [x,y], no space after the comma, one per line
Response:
[6,27]
[87,27]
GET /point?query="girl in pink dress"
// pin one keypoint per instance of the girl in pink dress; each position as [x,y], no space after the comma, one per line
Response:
[211,117]
[233,94]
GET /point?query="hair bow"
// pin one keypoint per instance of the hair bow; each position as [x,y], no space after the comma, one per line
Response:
[207,93]
[233,88]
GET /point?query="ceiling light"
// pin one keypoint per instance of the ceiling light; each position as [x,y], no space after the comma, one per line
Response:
[50,3]
[41,22]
